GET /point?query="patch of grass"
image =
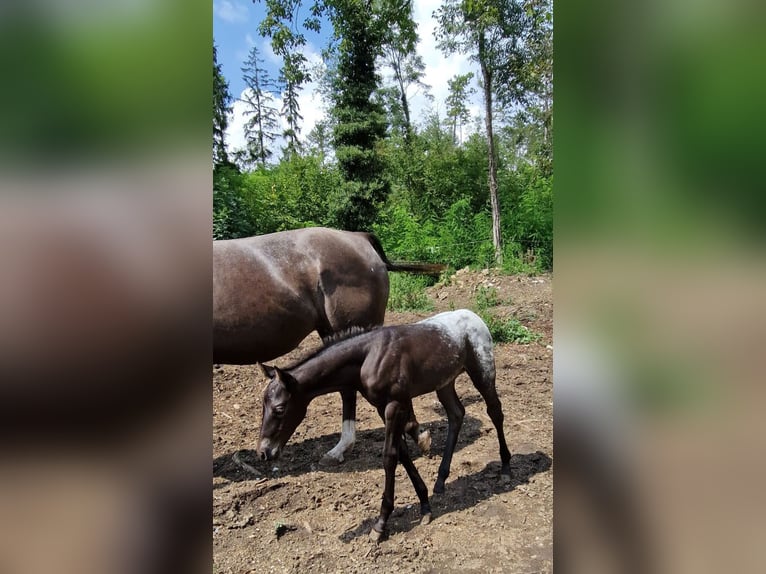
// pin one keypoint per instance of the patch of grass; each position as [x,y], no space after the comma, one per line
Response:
[508,330]
[487,297]
[517,266]
[408,293]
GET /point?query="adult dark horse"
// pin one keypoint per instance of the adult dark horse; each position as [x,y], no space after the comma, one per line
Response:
[390,366]
[271,291]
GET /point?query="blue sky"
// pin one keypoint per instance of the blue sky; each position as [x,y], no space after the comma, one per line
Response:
[235,30]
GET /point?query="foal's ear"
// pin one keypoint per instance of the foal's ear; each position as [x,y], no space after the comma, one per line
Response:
[268,371]
[287,380]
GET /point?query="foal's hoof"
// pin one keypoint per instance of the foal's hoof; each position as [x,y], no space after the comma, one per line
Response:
[424,442]
[376,536]
[506,475]
[426,519]
[331,460]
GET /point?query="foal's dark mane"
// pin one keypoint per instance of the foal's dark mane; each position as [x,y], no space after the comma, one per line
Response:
[333,340]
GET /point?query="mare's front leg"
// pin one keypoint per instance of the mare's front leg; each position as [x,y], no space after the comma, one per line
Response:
[395,418]
[348,428]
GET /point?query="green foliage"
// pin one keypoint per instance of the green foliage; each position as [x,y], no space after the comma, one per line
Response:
[503,330]
[408,293]
[457,106]
[487,297]
[230,218]
[360,121]
[508,330]
[464,236]
[297,193]
[403,235]
[421,189]
[530,222]
[221,107]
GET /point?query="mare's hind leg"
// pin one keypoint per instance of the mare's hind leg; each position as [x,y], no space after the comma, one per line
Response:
[348,428]
[485,384]
[455,413]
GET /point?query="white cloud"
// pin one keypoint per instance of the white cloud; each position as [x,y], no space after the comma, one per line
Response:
[232,12]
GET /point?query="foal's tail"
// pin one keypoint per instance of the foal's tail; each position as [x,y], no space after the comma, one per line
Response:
[411,267]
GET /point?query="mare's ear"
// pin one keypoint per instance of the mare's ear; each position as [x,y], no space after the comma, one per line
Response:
[268,372]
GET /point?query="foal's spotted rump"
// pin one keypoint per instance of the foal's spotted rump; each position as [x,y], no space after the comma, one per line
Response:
[465,323]
[389,366]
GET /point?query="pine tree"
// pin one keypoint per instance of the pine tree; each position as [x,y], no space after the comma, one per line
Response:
[360,120]
[292,77]
[263,121]
[280,24]
[221,108]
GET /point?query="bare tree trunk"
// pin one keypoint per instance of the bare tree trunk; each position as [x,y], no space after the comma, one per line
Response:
[496,237]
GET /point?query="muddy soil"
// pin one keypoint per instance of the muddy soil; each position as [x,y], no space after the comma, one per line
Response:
[299,515]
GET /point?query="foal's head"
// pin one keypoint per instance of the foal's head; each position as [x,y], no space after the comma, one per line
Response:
[283,410]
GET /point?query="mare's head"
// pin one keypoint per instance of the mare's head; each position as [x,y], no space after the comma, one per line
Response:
[284,407]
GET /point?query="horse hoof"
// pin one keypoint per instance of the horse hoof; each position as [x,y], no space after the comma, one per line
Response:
[376,536]
[331,460]
[439,488]
[426,519]
[424,442]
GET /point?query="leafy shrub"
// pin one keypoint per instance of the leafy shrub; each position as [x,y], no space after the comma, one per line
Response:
[508,330]
[408,293]
[518,261]
[487,297]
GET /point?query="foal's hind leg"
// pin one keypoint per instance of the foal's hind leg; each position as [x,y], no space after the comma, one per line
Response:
[455,413]
[348,428]
[485,384]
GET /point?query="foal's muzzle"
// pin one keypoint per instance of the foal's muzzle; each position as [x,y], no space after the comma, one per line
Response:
[268,453]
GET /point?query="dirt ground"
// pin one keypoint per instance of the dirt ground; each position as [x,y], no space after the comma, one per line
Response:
[297,515]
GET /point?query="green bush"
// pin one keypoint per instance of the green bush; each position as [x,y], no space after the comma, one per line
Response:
[408,293]
[487,297]
[508,330]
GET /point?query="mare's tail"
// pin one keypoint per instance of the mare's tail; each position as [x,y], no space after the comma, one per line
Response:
[411,267]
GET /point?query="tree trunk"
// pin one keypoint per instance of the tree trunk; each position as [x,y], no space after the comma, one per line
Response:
[496,236]
[406,110]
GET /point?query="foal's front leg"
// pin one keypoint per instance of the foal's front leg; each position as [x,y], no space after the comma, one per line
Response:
[420,487]
[348,428]
[395,418]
